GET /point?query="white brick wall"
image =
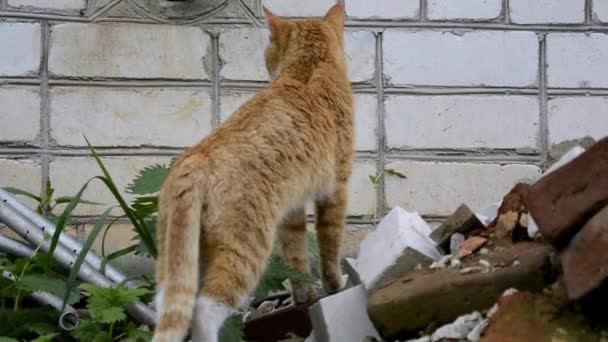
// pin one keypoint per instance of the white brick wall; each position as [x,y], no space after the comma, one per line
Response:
[382,9]
[72,5]
[19,114]
[454,95]
[128,50]
[242,54]
[497,58]
[435,122]
[463,10]
[547,11]
[23,174]
[129,117]
[577,60]
[600,10]
[297,8]
[69,174]
[577,117]
[434,188]
[20,55]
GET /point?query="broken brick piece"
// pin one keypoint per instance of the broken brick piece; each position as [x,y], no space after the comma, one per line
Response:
[409,304]
[585,259]
[563,200]
[471,245]
[462,221]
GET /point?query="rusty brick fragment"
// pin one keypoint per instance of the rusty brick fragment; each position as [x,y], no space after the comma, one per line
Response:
[585,260]
[563,200]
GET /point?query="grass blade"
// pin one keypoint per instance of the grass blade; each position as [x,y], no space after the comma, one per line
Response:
[83,253]
[137,222]
[16,191]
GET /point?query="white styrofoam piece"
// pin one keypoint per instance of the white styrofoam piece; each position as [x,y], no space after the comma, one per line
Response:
[459,329]
[488,214]
[397,231]
[342,317]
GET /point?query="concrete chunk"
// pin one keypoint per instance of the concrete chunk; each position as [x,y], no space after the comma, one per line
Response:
[342,317]
[462,221]
[397,246]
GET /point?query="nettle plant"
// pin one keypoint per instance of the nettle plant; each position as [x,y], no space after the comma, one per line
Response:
[107,320]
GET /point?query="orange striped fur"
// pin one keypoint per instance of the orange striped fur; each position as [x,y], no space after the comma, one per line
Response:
[226,197]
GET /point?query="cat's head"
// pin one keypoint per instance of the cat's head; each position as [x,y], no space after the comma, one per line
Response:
[286,36]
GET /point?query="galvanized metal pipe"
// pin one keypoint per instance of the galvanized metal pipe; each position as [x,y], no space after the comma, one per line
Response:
[71,244]
[68,320]
[30,232]
[15,248]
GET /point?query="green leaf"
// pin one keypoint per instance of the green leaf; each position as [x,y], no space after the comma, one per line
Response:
[149,180]
[375,179]
[83,253]
[40,328]
[88,330]
[16,191]
[68,199]
[137,335]
[137,222]
[232,329]
[395,173]
[145,205]
[108,315]
[47,283]
[276,272]
[46,338]
[7,339]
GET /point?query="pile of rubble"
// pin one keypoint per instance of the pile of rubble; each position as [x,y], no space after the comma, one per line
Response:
[533,267]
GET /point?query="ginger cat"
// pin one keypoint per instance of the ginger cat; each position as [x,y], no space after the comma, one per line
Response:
[226,197]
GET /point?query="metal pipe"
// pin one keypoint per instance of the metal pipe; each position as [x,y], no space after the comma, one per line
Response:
[68,320]
[15,248]
[28,231]
[44,224]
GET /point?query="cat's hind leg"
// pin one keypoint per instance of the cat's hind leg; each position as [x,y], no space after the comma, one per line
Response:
[330,221]
[294,244]
[233,262]
[161,264]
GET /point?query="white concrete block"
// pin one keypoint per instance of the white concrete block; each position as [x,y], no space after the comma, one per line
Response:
[360,52]
[296,8]
[342,317]
[242,54]
[19,114]
[473,58]
[21,49]
[547,11]
[69,174]
[230,102]
[128,50]
[577,60]
[62,5]
[24,174]
[431,122]
[129,117]
[383,9]
[577,117]
[438,188]
[464,10]
[400,242]
[600,11]
[362,194]
[366,122]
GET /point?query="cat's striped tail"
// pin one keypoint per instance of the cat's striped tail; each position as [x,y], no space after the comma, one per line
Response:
[180,283]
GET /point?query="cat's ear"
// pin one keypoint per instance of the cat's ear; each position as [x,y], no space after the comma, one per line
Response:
[336,16]
[274,23]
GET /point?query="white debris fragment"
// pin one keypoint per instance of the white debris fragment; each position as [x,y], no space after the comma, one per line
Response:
[484,251]
[475,334]
[443,262]
[488,214]
[472,269]
[342,317]
[459,329]
[509,292]
[421,339]
[493,310]
[516,263]
[400,242]
[455,263]
[485,263]
[456,241]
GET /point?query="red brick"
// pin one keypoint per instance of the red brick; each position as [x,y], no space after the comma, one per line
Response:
[420,298]
[585,260]
[562,201]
